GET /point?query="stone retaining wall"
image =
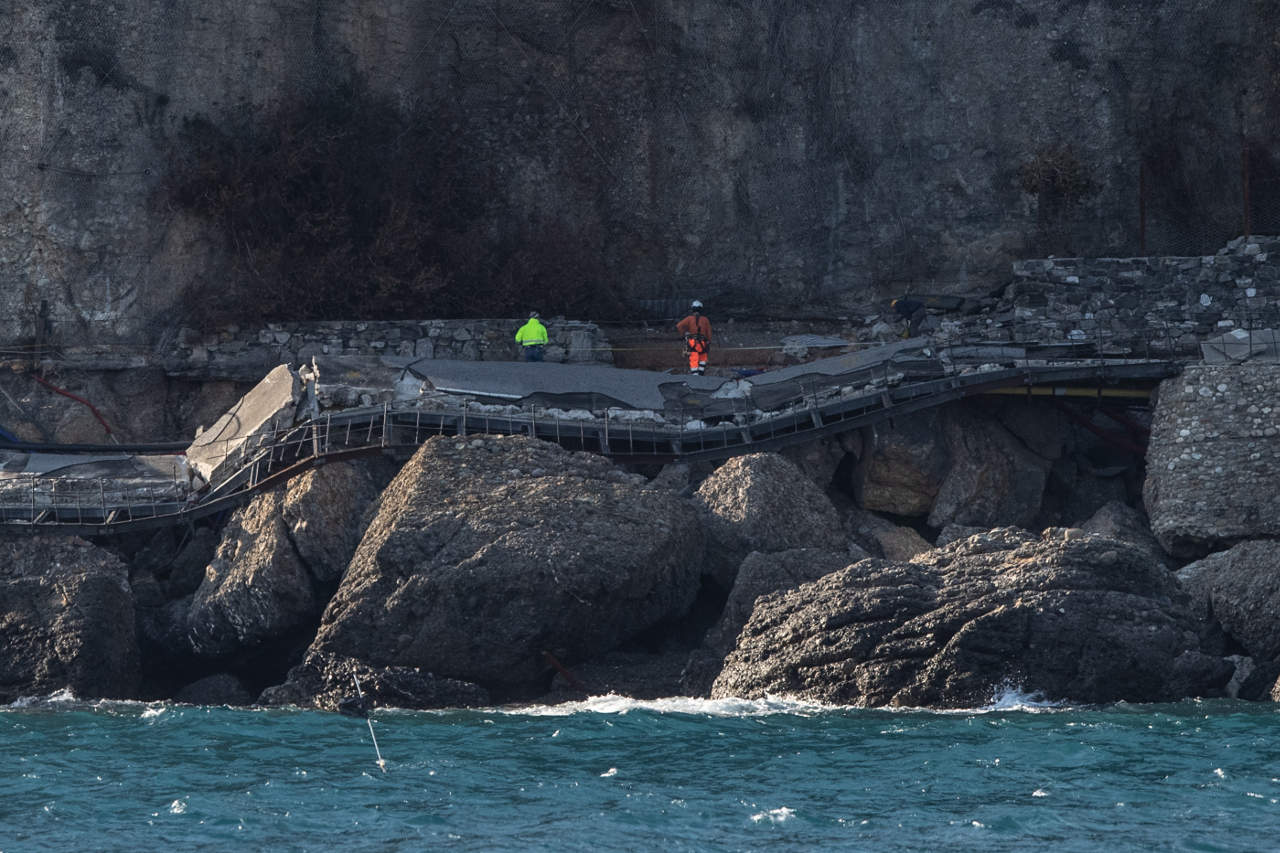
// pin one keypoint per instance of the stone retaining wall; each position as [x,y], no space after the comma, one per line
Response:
[195,353]
[1214,458]
[1160,304]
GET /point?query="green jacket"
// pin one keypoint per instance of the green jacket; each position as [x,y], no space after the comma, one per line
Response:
[532,332]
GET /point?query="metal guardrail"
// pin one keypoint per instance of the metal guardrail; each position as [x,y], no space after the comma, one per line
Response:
[88,507]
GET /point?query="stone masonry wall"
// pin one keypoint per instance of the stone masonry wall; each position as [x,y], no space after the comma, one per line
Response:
[1214,459]
[1160,305]
[235,350]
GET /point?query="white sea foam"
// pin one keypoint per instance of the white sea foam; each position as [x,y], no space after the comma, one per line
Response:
[778,815]
[58,697]
[153,711]
[614,704]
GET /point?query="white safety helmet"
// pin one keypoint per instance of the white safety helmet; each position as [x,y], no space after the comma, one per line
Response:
[534,315]
[696,304]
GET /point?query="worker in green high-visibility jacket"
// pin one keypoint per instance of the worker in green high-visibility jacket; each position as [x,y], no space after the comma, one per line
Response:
[532,338]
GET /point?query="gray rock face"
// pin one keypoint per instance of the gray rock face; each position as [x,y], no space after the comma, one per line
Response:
[1213,457]
[486,553]
[1080,618]
[66,621]
[762,502]
[957,465]
[778,178]
[1240,590]
[277,559]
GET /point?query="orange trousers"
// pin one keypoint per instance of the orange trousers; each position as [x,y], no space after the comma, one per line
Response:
[697,349]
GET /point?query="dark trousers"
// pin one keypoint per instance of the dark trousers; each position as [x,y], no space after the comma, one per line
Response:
[533,352]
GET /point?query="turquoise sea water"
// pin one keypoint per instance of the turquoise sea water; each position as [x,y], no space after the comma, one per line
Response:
[617,774]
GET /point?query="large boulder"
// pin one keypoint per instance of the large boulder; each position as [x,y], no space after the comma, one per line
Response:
[958,465]
[279,560]
[1068,615]
[762,502]
[763,573]
[324,680]
[1239,589]
[879,537]
[994,477]
[1211,463]
[66,620]
[487,555]
[902,466]
[1118,520]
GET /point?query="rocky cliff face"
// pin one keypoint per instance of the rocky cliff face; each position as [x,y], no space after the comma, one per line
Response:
[757,152]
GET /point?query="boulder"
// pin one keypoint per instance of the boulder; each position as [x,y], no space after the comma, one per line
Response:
[994,478]
[219,689]
[902,467]
[762,502]
[821,461]
[323,681]
[954,533]
[1239,589]
[1118,520]
[874,536]
[279,559]
[1073,617]
[255,589]
[486,553]
[1211,462]
[956,465]
[764,573]
[66,620]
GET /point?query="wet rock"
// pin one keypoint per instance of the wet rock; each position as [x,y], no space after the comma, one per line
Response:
[638,675]
[220,689]
[488,552]
[1073,617]
[66,620]
[762,502]
[323,681]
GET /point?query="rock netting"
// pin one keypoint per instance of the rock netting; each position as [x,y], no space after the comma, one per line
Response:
[1069,615]
[1213,458]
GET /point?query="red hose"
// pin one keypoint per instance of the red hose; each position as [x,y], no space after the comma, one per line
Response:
[81,400]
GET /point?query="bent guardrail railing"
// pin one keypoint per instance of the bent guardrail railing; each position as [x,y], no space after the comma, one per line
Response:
[90,506]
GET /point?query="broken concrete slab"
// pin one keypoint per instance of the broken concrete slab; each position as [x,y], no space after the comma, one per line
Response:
[253,421]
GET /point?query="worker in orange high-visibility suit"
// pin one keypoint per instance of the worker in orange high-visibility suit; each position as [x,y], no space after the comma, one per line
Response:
[697,338]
